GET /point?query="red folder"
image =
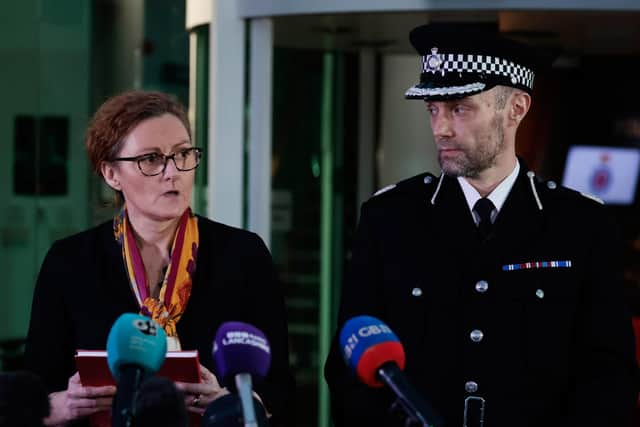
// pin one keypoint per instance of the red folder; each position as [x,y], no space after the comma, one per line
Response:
[182,366]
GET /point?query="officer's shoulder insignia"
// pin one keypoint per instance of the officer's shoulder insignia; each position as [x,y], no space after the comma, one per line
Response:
[418,181]
[422,185]
[409,185]
[592,197]
[384,190]
[429,179]
[568,193]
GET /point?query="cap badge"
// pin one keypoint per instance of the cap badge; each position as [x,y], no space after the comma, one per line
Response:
[434,61]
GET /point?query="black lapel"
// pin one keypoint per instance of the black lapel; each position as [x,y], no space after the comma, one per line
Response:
[113,280]
[201,299]
[453,238]
[520,221]
[204,265]
[452,222]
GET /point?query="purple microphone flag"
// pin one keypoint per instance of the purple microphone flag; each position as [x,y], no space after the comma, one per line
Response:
[241,348]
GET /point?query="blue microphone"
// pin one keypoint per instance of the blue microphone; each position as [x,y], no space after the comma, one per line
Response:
[136,348]
[375,354]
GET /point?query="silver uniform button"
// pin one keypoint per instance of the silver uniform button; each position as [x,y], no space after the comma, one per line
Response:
[428,179]
[540,293]
[552,185]
[482,286]
[416,292]
[471,386]
[476,335]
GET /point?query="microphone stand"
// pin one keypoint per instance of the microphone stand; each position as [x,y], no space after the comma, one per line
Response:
[244,386]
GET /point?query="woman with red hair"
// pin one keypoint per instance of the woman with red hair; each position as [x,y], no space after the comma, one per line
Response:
[156,258]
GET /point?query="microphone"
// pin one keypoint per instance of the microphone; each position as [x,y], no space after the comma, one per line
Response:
[136,348]
[241,351]
[374,353]
[160,403]
[226,411]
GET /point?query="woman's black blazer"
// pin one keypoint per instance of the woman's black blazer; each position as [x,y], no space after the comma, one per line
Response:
[83,287]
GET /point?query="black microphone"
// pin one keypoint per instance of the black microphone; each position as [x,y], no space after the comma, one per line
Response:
[160,403]
[136,349]
[226,411]
[375,354]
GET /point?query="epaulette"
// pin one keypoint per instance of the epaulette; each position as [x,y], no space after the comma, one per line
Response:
[417,182]
[564,192]
[592,197]
[384,190]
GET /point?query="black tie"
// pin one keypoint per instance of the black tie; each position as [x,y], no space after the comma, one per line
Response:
[483,208]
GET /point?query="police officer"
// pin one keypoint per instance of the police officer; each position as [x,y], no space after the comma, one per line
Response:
[505,291]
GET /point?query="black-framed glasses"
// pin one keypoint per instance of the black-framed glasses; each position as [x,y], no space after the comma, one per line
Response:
[155,163]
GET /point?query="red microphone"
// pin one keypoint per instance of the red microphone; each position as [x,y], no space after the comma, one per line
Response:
[375,354]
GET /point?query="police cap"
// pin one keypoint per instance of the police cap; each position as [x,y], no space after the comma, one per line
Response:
[460,60]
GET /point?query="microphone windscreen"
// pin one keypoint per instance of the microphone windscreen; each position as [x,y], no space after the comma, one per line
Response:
[226,411]
[366,344]
[240,348]
[160,403]
[136,340]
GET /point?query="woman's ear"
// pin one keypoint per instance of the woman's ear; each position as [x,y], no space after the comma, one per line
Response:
[520,104]
[110,176]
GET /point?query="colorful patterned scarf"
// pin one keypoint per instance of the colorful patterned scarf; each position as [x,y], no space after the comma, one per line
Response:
[178,278]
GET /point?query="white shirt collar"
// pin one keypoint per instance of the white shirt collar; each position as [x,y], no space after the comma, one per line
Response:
[497,196]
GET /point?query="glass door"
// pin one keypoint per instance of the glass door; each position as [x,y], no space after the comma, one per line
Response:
[313,187]
[44,50]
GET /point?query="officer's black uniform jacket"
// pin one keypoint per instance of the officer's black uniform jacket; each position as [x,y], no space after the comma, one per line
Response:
[557,346]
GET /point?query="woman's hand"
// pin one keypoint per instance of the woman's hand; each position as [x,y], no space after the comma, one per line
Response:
[78,401]
[197,396]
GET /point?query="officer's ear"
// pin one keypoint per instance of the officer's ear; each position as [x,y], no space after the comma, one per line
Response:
[519,106]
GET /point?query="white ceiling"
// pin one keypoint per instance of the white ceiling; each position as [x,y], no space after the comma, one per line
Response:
[575,33]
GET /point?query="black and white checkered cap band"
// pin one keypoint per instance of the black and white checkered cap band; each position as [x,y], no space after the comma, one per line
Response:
[442,63]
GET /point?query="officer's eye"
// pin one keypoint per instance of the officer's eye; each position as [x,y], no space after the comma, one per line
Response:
[460,109]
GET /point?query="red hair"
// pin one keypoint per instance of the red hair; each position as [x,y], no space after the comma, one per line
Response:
[117,117]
